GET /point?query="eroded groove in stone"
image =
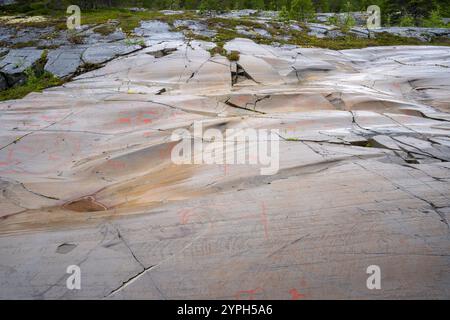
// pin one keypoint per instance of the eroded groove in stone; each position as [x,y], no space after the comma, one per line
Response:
[85,204]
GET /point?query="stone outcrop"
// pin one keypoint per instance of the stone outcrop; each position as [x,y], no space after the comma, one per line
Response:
[423,34]
[65,61]
[87,178]
[73,52]
[322,30]
[100,53]
[15,63]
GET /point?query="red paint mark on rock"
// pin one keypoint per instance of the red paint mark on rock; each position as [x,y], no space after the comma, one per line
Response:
[184,215]
[248,294]
[9,159]
[262,216]
[116,164]
[53,157]
[50,118]
[176,114]
[295,295]
[124,120]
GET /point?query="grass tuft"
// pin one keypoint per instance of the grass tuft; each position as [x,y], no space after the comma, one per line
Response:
[233,56]
[105,29]
[34,83]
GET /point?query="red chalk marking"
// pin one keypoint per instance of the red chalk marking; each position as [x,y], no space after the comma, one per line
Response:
[124,120]
[263,218]
[49,118]
[145,116]
[9,159]
[10,172]
[292,128]
[29,152]
[250,294]
[184,215]
[116,164]
[295,295]
[141,117]
[52,157]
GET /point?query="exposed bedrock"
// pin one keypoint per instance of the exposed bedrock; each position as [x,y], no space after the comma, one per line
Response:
[87,178]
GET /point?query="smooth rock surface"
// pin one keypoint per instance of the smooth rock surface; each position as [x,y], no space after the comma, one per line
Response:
[100,53]
[157,31]
[65,61]
[196,27]
[87,179]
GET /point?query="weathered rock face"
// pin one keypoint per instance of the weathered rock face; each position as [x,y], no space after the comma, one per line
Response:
[71,51]
[196,27]
[101,53]
[92,37]
[360,32]
[171,12]
[157,31]
[3,51]
[65,61]
[364,177]
[360,18]
[241,13]
[67,58]
[16,62]
[423,34]
[322,30]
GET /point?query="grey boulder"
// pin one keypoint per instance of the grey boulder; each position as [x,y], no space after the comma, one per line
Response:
[64,62]
[103,52]
[16,62]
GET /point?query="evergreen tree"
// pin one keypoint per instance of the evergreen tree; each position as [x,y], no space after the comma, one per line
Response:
[301,10]
[284,14]
[423,12]
[324,6]
[209,5]
[258,4]
[434,20]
